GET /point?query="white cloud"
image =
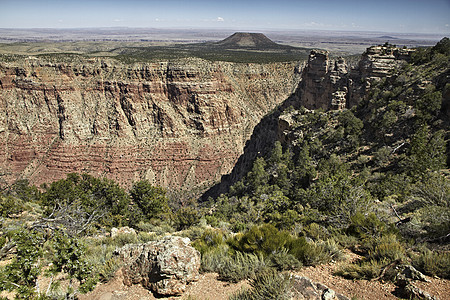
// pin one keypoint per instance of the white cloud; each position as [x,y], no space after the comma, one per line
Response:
[220,19]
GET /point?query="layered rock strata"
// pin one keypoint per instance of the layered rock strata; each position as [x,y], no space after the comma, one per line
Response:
[332,84]
[328,84]
[324,82]
[179,124]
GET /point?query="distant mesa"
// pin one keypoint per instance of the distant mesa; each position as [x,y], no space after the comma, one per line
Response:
[387,37]
[248,40]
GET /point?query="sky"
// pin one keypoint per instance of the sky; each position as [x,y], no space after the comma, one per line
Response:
[405,16]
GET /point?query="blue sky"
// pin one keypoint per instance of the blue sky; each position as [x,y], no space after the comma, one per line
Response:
[429,16]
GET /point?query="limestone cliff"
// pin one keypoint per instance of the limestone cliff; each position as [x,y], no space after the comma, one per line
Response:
[332,84]
[180,124]
[326,83]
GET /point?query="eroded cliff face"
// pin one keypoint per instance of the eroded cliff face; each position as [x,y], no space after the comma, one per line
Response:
[330,83]
[178,124]
[326,83]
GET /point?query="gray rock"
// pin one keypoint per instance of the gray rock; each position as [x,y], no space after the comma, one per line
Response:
[305,288]
[122,230]
[165,267]
[412,273]
[328,294]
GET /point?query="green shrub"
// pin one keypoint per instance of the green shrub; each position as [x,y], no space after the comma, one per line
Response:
[388,247]
[145,237]
[151,200]
[213,260]
[352,125]
[315,254]
[70,257]
[346,241]
[209,240]
[283,260]
[10,206]
[366,227]
[107,270]
[333,250]
[267,285]
[123,239]
[264,239]
[433,190]
[21,274]
[364,269]
[433,223]
[241,266]
[158,228]
[316,231]
[186,217]
[433,263]
[102,201]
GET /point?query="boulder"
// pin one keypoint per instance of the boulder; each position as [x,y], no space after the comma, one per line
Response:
[412,273]
[122,230]
[404,281]
[305,288]
[165,267]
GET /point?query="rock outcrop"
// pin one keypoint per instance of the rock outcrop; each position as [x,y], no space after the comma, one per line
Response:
[180,124]
[305,288]
[327,83]
[324,82]
[165,267]
[332,84]
[406,275]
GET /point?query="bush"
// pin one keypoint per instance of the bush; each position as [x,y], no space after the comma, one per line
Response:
[213,260]
[388,247]
[352,125]
[433,223]
[264,239]
[102,200]
[10,206]
[151,200]
[434,189]
[241,266]
[366,227]
[107,270]
[433,263]
[283,261]
[315,254]
[186,217]
[123,239]
[209,240]
[364,269]
[267,285]
[316,231]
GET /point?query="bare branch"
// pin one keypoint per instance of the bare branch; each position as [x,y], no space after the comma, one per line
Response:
[5,249]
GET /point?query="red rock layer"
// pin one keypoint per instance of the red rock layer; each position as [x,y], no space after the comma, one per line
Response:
[179,124]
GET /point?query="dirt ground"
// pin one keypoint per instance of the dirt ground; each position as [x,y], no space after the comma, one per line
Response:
[209,288]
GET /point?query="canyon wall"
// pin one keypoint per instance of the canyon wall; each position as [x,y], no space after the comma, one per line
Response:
[179,124]
[330,83]
[326,83]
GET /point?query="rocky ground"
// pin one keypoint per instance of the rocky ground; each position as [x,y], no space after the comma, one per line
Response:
[208,287]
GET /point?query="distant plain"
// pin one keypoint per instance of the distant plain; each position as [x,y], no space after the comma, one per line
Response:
[135,44]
